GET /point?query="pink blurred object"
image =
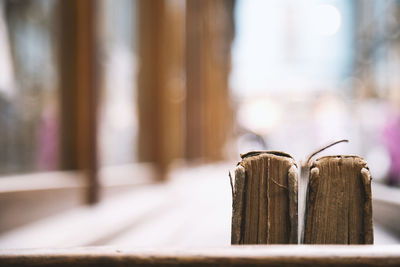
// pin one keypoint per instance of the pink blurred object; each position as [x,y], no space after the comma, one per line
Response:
[392,140]
[47,154]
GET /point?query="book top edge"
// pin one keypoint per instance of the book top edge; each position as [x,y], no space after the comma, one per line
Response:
[272,152]
[276,154]
[323,159]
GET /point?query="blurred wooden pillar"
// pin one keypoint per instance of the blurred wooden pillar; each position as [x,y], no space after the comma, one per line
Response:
[78,91]
[161,86]
[209,33]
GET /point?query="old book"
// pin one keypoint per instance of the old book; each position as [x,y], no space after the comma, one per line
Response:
[264,209]
[339,208]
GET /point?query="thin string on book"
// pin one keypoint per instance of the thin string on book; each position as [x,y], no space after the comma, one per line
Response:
[230,179]
[325,147]
[278,184]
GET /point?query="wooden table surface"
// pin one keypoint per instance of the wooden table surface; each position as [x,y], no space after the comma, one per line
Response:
[268,255]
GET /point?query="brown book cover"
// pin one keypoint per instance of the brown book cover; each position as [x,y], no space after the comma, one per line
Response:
[339,205]
[264,209]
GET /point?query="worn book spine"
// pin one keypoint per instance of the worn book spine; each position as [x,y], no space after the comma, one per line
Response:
[339,204]
[264,209]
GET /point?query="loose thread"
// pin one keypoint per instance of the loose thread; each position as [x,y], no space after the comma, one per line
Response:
[278,184]
[230,179]
[325,147]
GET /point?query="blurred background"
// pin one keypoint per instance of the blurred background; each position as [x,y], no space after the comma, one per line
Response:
[119,120]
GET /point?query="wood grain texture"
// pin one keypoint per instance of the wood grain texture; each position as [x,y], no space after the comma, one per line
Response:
[160,90]
[265,199]
[272,255]
[339,208]
[237,205]
[78,92]
[293,203]
[209,114]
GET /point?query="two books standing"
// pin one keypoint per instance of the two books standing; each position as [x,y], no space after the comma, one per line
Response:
[266,201]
